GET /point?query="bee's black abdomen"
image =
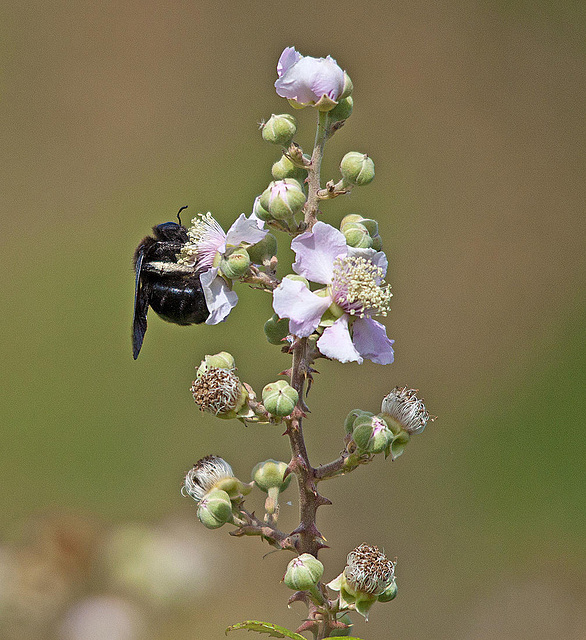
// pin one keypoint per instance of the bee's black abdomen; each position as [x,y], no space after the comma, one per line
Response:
[179,300]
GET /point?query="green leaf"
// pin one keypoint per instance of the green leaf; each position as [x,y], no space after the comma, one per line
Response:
[274,630]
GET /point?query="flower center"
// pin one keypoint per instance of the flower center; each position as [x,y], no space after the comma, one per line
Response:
[356,287]
[217,391]
[206,237]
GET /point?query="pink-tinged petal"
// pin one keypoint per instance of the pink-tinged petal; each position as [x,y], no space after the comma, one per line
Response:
[306,79]
[293,300]
[370,338]
[220,299]
[244,230]
[336,342]
[288,58]
[316,251]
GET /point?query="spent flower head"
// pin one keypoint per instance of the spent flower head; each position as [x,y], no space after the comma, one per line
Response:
[307,81]
[355,292]
[207,245]
[403,409]
[219,391]
[206,474]
[367,575]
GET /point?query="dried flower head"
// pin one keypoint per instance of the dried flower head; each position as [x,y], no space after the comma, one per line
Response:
[218,391]
[408,411]
[204,476]
[368,570]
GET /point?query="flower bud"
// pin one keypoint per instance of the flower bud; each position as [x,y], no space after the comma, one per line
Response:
[357,168]
[283,199]
[284,168]
[260,212]
[350,219]
[263,250]
[371,434]
[402,409]
[215,509]
[236,264]
[279,129]
[269,474]
[351,418]
[276,329]
[357,236]
[279,398]
[342,111]
[303,573]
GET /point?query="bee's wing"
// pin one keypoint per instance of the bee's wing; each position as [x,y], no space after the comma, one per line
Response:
[141,306]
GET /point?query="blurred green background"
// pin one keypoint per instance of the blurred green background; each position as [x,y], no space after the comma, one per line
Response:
[115,114]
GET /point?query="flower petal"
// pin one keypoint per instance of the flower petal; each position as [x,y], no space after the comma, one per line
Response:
[336,342]
[293,300]
[220,299]
[288,58]
[245,230]
[370,338]
[316,251]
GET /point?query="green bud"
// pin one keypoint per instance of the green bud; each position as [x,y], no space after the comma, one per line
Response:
[284,168]
[283,198]
[222,360]
[371,226]
[263,250]
[357,236]
[303,573]
[260,212]
[342,110]
[351,418]
[357,168]
[215,509]
[390,593]
[269,475]
[280,129]
[276,329]
[371,434]
[279,398]
[350,219]
[236,264]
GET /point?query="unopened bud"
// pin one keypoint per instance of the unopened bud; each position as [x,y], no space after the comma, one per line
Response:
[357,168]
[351,418]
[283,199]
[357,236]
[236,264]
[269,475]
[279,129]
[215,509]
[284,168]
[303,573]
[279,398]
[371,434]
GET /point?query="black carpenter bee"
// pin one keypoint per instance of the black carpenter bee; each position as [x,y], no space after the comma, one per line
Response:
[173,290]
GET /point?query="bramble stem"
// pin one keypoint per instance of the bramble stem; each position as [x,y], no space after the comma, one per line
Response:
[311,207]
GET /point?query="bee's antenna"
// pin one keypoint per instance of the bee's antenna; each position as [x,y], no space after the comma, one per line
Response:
[180,210]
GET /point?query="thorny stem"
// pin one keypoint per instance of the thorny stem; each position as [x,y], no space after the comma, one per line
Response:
[313,173]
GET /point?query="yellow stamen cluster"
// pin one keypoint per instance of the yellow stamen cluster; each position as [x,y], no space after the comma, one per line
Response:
[356,287]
